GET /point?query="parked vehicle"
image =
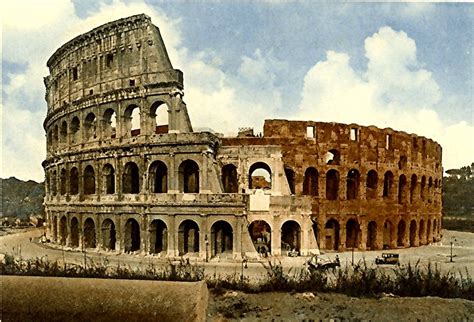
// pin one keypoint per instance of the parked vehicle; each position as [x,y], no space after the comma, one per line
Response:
[319,262]
[388,258]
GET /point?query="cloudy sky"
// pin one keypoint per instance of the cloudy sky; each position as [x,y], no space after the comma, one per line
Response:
[399,65]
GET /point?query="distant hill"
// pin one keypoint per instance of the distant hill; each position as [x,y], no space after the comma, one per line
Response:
[21,199]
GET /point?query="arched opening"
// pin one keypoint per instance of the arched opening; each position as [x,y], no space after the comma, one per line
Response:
[132,120]
[74,129]
[421,233]
[412,232]
[158,237]
[402,163]
[63,230]
[290,177]
[430,189]
[63,132]
[260,176]
[221,238]
[371,235]
[422,188]
[387,234]
[158,177]
[261,234]
[89,233]
[74,232]
[90,127]
[435,225]
[131,178]
[332,185]
[428,231]
[332,235]
[62,188]
[132,235]
[109,235]
[388,185]
[310,183]
[53,182]
[159,114]
[371,186]
[74,181]
[109,179]
[229,179]
[50,140]
[352,234]
[352,184]
[110,124]
[89,180]
[402,189]
[188,238]
[56,135]
[332,157]
[401,233]
[290,236]
[413,183]
[54,228]
[189,177]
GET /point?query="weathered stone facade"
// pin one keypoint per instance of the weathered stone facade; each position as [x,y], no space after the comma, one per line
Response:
[125,171]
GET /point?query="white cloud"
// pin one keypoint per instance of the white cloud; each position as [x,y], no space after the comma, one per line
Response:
[395,91]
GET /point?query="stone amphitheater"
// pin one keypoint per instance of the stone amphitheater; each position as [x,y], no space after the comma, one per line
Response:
[125,172]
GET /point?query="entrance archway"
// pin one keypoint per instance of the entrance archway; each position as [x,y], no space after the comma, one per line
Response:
[290,236]
[401,233]
[74,232]
[89,233]
[412,232]
[352,234]
[332,235]
[387,234]
[109,237]
[158,237]
[63,230]
[221,238]
[132,235]
[371,235]
[261,234]
[188,238]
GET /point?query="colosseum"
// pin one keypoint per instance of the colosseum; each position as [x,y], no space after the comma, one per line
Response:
[125,172]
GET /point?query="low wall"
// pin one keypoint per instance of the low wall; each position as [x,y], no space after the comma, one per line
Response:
[33,298]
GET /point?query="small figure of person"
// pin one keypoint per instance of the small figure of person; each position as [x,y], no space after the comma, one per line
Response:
[337,259]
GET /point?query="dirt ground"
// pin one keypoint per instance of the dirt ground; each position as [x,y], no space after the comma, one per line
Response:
[232,306]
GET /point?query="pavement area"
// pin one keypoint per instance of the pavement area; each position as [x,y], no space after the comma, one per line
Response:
[439,254]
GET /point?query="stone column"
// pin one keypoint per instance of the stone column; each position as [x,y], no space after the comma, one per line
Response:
[276,241]
[322,186]
[68,229]
[144,235]
[173,177]
[203,173]
[363,232]
[237,238]
[172,237]
[342,234]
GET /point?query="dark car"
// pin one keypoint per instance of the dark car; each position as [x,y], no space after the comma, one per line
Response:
[387,258]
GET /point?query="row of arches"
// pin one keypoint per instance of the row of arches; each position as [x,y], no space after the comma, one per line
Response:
[107,125]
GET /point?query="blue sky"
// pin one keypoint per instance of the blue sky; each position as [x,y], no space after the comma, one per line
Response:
[404,65]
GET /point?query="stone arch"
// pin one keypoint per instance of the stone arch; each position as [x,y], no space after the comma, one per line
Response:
[131,178]
[63,230]
[90,126]
[388,184]
[189,176]
[332,234]
[221,238]
[160,119]
[158,236]
[74,232]
[229,178]
[291,236]
[63,132]
[75,134]
[310,183]
[372,235]
[261,233]
[74,181]
[413,184]
[290,177]
[260,176]
[132,120]
[430,189]
[422,188]
[371,184]
[401,231]
[158,176]
[421,232]
[188,238]
[110,123]
[402,189]
[109,234]
[352,184]
[332,185]
[63,187]
[108,173]
[89,234]
[412,232]
[387,234]
[89,180]
[352,233]
[132,235]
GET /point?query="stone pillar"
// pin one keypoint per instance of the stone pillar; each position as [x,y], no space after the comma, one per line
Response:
[363,227]
[118,179]
[118,234]
[362,193]
[203,173]
[342,193]
[68,229]
[173,177]
[276,241]
[237,238]
[172,237]
[342,234]
[322,186]
[144,235]
[98,233]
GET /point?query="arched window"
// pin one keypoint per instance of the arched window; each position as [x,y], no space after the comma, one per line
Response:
[89,233]
[90,127]
[261,235]
[74,232]
[333,157]
[189,177]
[131,178]
[402,189]
[63,182]
[132,120]
[388,184]
[422,187]
[331,230]
[221,238]
[56,135]
[109,234]
[158,237]
[89,180]
[430,189]
[132,235]
[74,130]
[260,176]
[353,178]
[159,114]
[158,177]
[310,183]
[74,181]
[188,238]
[53,183]
[290,236]
[352,234]
[63,132]
[229,178]
[371,235]
[332,185]
[290,177]
[110,123]
[108,173]
[372,181]
[401,233]
[413,184]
